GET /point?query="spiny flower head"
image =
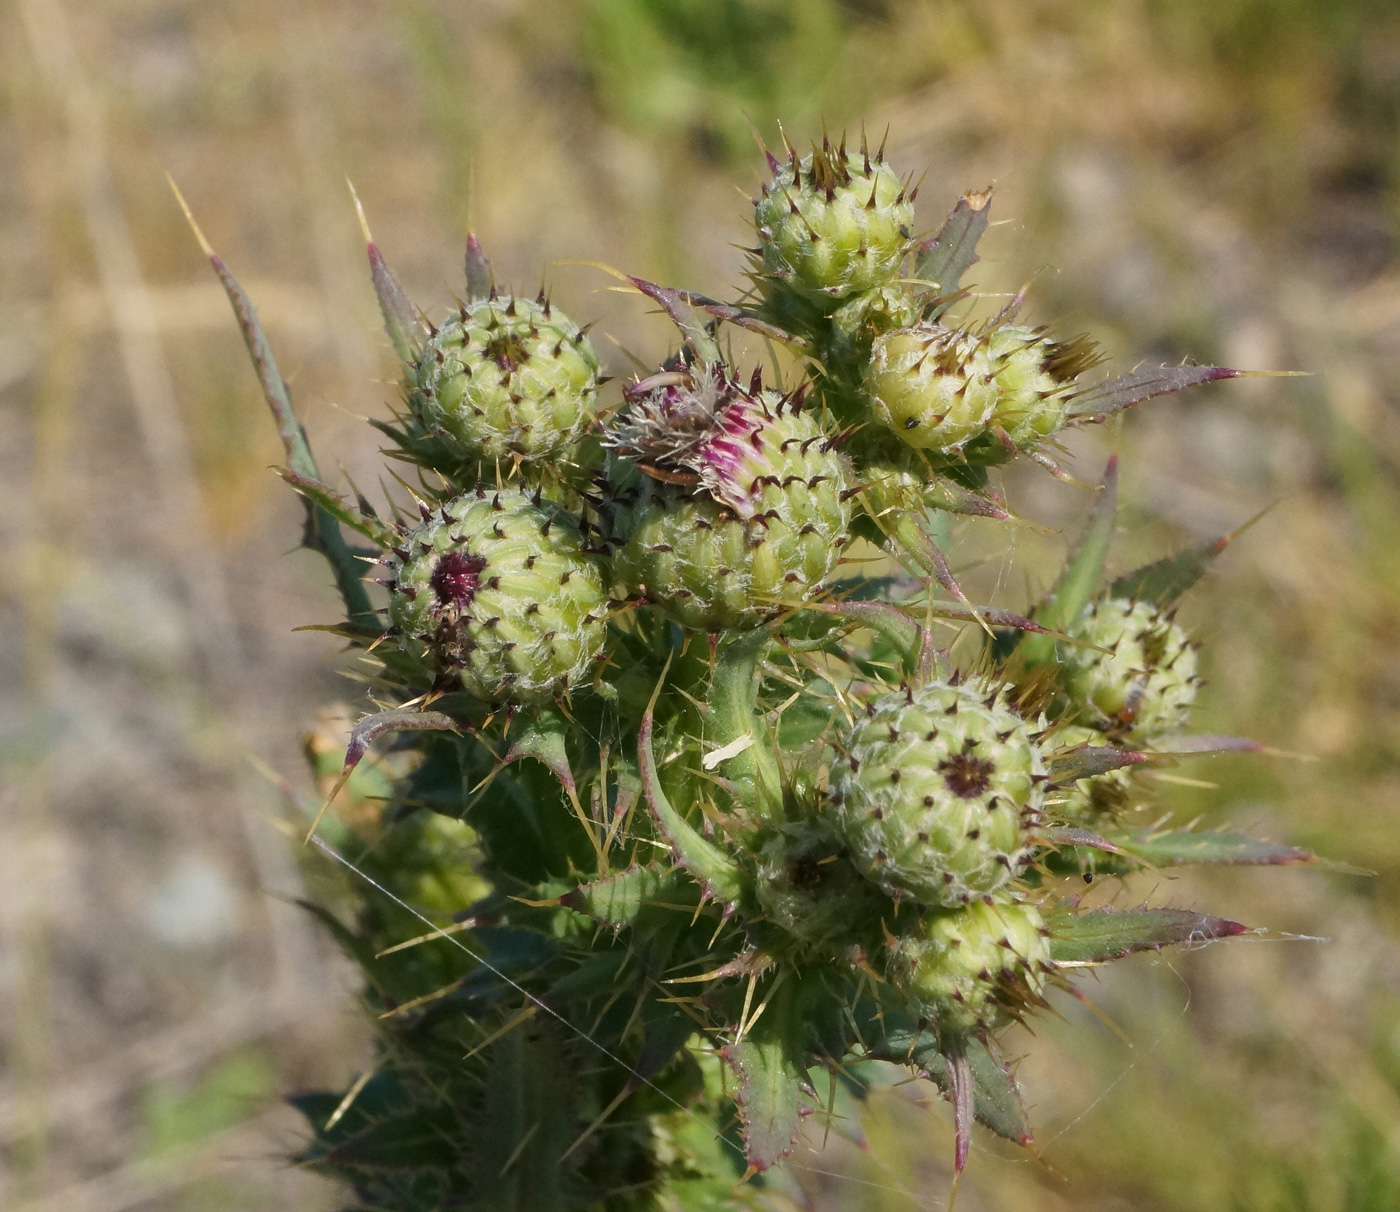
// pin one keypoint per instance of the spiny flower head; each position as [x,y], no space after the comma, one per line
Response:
[965,968]
[724,502]
[1144,684]
[940,388]
[832,223]
[499,589]
[934,792]
[505,379]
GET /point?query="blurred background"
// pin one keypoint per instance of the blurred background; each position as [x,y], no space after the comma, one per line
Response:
[1218,179]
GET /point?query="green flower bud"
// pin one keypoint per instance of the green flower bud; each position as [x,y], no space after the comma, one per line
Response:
[940,388]
[967,964]
[505,380]
[498,588]
[831,224]
[1144,684]
[934,792]
[726,504]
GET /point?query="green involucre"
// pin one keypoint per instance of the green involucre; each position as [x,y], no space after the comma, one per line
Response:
[966,963]
[499,589]
[934,790]
[710,564]
[1145,684]
[831,224]
[505,379]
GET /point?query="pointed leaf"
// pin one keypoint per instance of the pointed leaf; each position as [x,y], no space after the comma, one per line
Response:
[944,259]
[618,900]
[960,1094]
[400,719]
[1101,935]
[1181,848]
[886,621]
[741,318]
[479,278]
[996,1098]
[673,302]
[327,499]
[1079,581]
[711,867]
[770,1099]
[322,533]
[419,1140]
[542,735]
[1098,403]
[1163,581]
[1086,763]
[401,319]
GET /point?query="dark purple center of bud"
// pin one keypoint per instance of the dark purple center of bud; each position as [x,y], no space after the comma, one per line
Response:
[507,351]
[455,578]
[966,776]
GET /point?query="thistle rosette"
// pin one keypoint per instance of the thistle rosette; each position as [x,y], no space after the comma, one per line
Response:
[504,380]
[831,224]
[935,791]
[975,966]
[940,388]
[724,503]
[1134,671]
[499,590]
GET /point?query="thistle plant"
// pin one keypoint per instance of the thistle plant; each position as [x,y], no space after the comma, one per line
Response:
[670,810]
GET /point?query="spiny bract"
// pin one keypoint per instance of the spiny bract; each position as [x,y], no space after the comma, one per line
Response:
[498,586]
[832,223]
[505,379]
[725,505]
[939,388]
[934,791]
[1144,684]
[968,967]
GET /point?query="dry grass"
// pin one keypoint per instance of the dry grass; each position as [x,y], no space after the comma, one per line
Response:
[1212,179]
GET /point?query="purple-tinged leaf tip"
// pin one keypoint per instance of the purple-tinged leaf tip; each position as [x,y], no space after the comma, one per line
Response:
[1184,847]
[401,320]
[1101,935]
[479,280]
[1098,403]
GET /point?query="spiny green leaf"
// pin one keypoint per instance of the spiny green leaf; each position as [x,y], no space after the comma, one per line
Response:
[770,1098]
[1101,935]
[330,501]
[943,260]
[401,320]
[618,900]
[542,734]
[996,1098]
[1079,581]
[1181,848]
[1099,403]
